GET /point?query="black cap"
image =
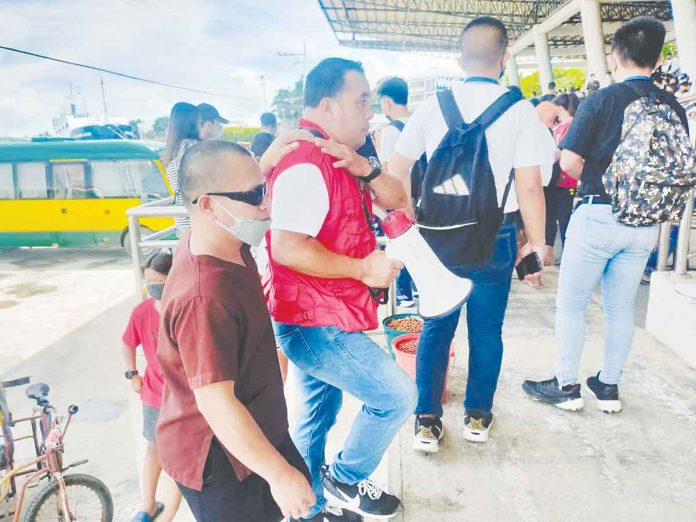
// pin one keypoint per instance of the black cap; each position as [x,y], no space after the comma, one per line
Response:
[207,112]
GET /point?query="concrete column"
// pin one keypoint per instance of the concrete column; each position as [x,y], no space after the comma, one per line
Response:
[684,12]
[594,40]
[543,56]
[512,72]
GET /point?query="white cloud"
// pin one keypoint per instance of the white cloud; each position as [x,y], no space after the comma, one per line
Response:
[201,44]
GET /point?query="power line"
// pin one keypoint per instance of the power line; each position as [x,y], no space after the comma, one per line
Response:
[122,75]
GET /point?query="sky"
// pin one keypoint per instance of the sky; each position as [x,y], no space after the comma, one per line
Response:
[222,46]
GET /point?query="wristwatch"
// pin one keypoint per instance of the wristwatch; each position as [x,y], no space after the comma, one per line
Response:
[376,169]
[130,374]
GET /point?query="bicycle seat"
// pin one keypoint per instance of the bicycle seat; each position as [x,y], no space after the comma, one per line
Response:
[37,391]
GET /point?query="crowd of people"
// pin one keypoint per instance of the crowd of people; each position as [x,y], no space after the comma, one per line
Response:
[474,166]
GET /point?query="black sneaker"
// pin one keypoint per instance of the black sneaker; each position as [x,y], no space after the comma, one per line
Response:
[332,514]
[364,498]
[607,395]
[476,426]
[428,434]
[567,398]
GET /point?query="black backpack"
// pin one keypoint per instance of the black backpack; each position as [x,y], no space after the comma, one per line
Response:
[457,211]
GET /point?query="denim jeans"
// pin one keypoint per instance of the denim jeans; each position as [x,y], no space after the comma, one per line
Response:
[404,284]
[331,361]
[485,312]
[599,250]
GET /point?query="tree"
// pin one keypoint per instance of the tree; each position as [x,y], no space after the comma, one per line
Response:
[564,78]
[160,125]
[287,104]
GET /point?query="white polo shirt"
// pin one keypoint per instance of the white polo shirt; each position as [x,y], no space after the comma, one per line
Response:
[517,139]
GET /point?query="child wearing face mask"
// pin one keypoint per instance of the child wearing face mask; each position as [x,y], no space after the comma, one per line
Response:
[142,330]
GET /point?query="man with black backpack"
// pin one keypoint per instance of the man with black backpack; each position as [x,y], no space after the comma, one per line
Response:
[485,146]
[629,148]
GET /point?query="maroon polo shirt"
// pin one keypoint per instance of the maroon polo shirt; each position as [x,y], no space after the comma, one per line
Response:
[215,327]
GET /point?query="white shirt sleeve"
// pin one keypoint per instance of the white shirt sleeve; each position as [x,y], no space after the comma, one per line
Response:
[300,200]
[411,143]
[390,135]
[535,146]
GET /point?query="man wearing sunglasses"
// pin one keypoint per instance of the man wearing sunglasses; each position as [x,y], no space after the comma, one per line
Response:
[323,261]
[223,430]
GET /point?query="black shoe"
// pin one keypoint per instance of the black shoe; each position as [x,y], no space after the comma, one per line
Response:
[332,514]
[476,426]
[607,395]
[428,433]
[364,498]
[567,398]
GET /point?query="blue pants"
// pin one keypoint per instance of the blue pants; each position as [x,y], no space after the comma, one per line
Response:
[485,312]
[331,361]
[599,250]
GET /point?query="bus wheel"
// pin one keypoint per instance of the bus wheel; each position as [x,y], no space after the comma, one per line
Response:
[126,244]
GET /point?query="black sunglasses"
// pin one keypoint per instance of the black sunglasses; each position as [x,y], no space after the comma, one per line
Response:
[252,197]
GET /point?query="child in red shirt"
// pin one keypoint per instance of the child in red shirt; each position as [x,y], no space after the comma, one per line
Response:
[142,330]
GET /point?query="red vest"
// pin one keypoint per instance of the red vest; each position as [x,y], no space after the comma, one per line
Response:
[300,299]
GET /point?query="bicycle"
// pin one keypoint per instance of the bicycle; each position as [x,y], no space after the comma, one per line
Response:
[62,497]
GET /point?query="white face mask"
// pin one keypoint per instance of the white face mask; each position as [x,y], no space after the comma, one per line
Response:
[249,231]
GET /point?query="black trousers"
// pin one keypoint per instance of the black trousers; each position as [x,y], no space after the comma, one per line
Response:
[225,499]
[559,206]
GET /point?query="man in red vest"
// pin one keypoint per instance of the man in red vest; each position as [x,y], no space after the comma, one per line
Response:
[323,262]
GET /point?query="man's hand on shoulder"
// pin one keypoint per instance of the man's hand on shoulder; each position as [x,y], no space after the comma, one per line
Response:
[347,158]
[284,143]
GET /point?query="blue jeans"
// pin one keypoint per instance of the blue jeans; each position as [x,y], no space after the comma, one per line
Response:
[652,260]
[485,312]
[332,361]
[404,284]
[599,250]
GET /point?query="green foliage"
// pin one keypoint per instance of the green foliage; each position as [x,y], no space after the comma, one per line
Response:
[160,125]
[288,104]
[564,78]
[236,133]
[669,48]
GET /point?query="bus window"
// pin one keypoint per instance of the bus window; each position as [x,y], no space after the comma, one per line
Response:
[7,190]
[69,181]
[31,181]
[127,179]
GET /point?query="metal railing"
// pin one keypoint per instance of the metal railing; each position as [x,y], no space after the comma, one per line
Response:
[160,208]
[166,208]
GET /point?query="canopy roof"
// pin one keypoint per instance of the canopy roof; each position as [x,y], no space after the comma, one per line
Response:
[436,25]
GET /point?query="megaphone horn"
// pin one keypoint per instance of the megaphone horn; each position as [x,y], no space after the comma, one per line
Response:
[440,291]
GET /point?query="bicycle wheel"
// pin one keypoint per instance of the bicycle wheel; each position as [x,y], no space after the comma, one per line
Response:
[88,498]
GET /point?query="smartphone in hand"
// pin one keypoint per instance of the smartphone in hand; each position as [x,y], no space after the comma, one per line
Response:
[530,264]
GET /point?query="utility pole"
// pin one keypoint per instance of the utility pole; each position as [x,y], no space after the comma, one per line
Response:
[106,115]
[303,54]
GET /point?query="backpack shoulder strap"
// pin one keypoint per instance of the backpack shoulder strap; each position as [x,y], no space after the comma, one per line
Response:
[497,109]
[448,106]
[398,125]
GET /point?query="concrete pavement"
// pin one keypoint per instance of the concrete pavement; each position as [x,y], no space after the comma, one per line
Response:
[541,463]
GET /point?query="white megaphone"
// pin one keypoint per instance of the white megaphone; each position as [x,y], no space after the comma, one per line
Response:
[440,291]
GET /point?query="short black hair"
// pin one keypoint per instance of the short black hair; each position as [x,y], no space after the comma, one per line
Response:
[490,21]
[326,79]
[160,263]
[268,119]
[640,41]
[569,101]
[395,88]
[546,97]
[201,167]
[552,85]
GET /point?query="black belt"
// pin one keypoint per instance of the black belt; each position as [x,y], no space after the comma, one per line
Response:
[595,200]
